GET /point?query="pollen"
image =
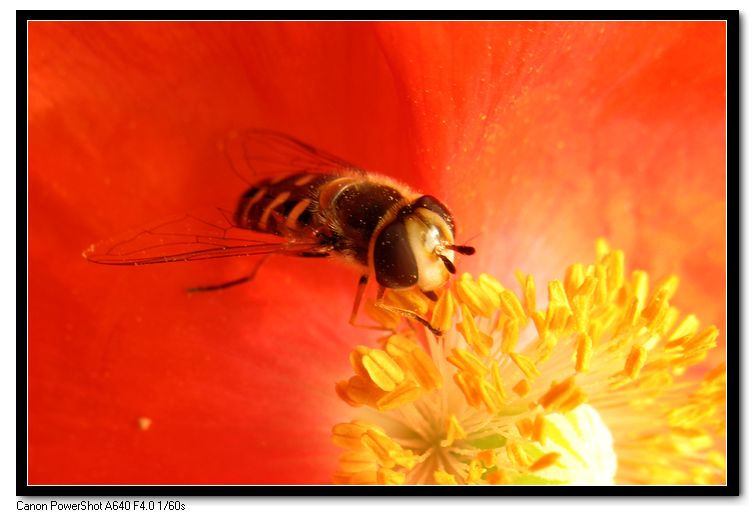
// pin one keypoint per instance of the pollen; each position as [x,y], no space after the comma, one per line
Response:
[588,387]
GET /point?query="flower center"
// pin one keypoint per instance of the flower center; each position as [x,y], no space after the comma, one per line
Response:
[587,390]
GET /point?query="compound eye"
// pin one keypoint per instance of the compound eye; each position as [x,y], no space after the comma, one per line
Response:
[394,261]
[429,202]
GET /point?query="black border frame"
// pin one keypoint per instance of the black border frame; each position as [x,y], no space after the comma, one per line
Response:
[734,406]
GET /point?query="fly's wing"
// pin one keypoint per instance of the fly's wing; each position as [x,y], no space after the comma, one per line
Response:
[203,234]
[255,154]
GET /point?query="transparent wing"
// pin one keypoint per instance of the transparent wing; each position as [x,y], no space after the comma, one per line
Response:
[258,153]
[200,235]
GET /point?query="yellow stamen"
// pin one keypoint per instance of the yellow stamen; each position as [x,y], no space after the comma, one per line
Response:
[493,401]
[475,472]
[538,319]
[522,388]
[670,284]
[525,427]
[655,312]
[359,478]
[384,318]
[546,345]
[581,312]
[467,385]
[547,460]
[495,372]
[488,458]
[584,352]
[601,289]
[511,306]
[414,361]
[489,282]
[425,371]
[718,459]
[638,287]
[467,362]
[355,359]
[601,249]
[404,393]
[630,317]
[408,300]
[538,429]
[598,372]
[588,288]
[443,478]
[575,276]
[388,453]
[387,476]
[635,361]
[556,318]
[510,333]
[704,340]
[526,365]
[357,460]
[615,271]
[491,290]
[398,345]
[479,341]
[443,312]
[529,295]
[473,297]
[497,478]
[454,431]
[686,328]
[577,398]
[517,455]
[382,369]
[358,391]
[557,294]
[558,394]
[349,435]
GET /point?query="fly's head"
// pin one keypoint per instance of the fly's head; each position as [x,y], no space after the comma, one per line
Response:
[416,247]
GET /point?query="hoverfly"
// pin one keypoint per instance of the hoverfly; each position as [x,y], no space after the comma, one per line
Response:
[306,202]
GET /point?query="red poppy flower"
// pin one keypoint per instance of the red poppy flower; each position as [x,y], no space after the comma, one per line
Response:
[540,137]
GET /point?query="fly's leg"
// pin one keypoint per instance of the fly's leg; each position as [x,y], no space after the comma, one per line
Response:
[232,283]
[253,273]
[361,287]
[432,296]
[312,254]
[220,286]
[406,313]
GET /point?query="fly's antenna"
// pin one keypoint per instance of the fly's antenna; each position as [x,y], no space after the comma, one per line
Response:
[450,267]
[467,250]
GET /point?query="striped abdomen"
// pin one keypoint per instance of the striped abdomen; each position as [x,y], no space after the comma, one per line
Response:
[342,210]
[280,205]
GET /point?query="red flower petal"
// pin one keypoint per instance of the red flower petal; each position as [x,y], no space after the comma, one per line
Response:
[542,136]
[124,119]
[539,136]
